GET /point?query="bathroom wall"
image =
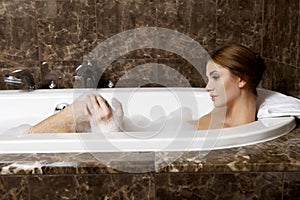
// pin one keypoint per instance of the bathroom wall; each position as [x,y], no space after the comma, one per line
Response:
[52,38]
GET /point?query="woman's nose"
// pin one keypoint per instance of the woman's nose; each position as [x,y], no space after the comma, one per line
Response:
[208,88]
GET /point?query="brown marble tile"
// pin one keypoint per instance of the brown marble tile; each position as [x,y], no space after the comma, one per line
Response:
[137,13]
[174,15]
[291,185]
[114,16]
[219,186]
[166,162]
[281,32]
[14,187]
[130,73]
[144,53]
[179,73]
[298,84]
[141,14]
[80,163]
[173,45]
[240,22]
[119,162]
[18,32]
[108,19]
[280,77]
[203,23]
[121,186]
[3,85]
[66,34]
[298,43]
[52,187]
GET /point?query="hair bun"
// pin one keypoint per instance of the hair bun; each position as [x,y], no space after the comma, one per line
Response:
[260,67]
[260,62]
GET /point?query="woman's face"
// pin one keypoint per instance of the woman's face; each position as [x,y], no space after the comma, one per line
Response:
[222,85]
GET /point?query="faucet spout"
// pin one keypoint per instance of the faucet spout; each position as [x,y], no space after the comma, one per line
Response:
[86,76]
[20,77]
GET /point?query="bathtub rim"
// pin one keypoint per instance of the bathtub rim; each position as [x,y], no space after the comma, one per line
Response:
[17,144]
[72,142]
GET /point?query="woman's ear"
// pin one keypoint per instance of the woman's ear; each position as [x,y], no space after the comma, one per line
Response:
[243,81]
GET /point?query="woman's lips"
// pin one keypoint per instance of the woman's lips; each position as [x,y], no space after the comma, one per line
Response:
[213,97]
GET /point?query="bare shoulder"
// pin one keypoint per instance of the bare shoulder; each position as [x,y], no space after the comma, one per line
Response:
[204,122]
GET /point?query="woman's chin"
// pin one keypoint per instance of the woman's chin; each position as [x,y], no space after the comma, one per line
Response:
[218,104]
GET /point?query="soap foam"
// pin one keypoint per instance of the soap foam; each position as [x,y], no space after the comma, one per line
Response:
[175,121]
[16,131]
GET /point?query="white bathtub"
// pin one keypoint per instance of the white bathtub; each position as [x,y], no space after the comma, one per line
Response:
[21,107]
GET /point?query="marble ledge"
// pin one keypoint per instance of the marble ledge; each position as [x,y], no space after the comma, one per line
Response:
[279,155]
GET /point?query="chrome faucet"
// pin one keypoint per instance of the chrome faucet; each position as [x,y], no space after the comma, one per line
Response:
[110,84]
[86,76]
[20,77]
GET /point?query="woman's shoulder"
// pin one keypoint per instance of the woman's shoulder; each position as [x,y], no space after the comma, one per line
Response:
[204,122]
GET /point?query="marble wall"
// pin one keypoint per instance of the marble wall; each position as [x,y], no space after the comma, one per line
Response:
[52,38]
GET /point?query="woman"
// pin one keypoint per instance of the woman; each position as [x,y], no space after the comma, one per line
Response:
[233,74]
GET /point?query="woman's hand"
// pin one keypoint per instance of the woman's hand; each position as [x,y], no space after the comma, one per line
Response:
[102,116]
[86,113]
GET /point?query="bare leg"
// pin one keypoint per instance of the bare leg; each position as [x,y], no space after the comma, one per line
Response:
[62,122]
[70,120]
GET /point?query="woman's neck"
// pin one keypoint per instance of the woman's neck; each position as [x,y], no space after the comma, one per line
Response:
[242,111]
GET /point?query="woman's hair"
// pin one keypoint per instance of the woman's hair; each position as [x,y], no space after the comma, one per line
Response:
[242,62]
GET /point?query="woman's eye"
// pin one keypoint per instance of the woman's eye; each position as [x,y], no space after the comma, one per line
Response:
[215,77]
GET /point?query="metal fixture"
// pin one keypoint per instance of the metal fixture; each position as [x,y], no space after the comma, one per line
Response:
[52,85]
[60,107]
[85,76]
[110,84]
[21,78]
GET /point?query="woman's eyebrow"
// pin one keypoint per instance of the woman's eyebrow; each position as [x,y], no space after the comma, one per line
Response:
[212,72]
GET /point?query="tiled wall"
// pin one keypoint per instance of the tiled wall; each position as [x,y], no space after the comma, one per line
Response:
[51,38]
